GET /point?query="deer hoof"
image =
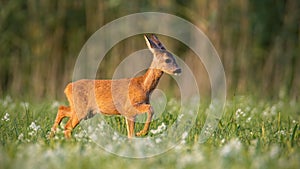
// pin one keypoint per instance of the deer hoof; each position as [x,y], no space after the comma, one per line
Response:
[52,133]
[67,134]
[141,133]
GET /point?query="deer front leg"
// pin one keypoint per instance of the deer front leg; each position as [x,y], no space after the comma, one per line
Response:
[71,124]
[63,111]
[146,108]
[130,126]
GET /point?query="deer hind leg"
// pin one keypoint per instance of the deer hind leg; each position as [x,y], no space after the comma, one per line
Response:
[146,108]
[63,111]
[71,124]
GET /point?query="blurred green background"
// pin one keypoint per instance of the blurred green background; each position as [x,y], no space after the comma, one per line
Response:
[258,42]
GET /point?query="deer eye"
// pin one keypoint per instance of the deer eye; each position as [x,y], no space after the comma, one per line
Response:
[168,60]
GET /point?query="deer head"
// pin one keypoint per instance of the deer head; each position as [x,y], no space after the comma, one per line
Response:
[162,59]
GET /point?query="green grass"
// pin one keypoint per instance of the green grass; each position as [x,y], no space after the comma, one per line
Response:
[251,134]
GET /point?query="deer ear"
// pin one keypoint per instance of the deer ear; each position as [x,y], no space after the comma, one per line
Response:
[151,45]
[157,42]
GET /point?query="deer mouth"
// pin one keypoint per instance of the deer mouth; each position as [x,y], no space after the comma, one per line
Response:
[177,72]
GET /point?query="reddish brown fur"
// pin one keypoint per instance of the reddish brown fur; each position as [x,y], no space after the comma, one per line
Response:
[127,97]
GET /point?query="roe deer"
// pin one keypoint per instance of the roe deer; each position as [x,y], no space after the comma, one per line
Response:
[127,97]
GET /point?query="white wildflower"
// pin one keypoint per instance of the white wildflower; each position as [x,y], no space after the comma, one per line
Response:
[273,110]
[93,136]
[80,135]
[31,133]
[248,120]
[239,113]
[34,127]
[180,117]
[101,125]
[6,117]
[25,105]
[209,129]
[253,146]
[195,157]
[275,150]
[234,146]
[55,105]
[158,140]
[265,113]
[115,136]
[281,132]
[159,129]
[184,135]
[20,137]
[8,100]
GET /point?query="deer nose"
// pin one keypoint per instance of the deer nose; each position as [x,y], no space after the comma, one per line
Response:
[177,71]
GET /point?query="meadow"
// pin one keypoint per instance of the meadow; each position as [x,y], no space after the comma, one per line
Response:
[252,133]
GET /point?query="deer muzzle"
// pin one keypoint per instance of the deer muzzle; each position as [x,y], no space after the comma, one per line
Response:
[177,71]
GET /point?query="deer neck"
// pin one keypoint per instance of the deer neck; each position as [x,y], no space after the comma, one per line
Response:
[151,78]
